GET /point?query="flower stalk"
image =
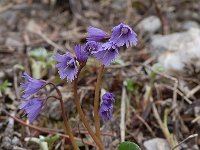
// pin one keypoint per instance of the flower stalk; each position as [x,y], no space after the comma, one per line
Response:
[81,114]
[97,101]
[65,120]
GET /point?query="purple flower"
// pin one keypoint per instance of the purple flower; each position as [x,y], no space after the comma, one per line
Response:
[105,112]
[96,34]
[67,67]
[106,106]
[31,85]
[32,108]
[108,98]
[92,47]
[80,53]
[107,53]
[123,34]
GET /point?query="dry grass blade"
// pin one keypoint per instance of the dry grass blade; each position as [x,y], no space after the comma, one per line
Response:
[162,126]
[188,138]
[36,29]
[123,113]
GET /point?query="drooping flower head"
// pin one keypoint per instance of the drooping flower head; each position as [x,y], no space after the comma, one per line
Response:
[92,47]
[123,34]
[96,34]
[81,54]
[32,108]
[108,98]
[105,112]
[107,53]
[31,85]
[106,106]
[67,67]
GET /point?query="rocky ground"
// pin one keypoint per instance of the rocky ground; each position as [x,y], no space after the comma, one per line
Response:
[158,79]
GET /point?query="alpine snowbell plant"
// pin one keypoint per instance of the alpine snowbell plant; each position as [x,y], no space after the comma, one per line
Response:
[105,49]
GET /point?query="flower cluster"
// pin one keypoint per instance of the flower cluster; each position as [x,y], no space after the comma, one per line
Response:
[106,106]
[103,47]
[105,52]
[31,105]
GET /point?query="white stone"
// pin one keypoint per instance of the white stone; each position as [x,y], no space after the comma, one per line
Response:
[156,144]
[178,51]
[150,24]
[190,24]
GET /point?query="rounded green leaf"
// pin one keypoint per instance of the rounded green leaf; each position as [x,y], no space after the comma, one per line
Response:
[128,146]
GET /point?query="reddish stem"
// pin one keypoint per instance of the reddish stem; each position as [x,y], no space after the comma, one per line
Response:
[45,130]
[67,126]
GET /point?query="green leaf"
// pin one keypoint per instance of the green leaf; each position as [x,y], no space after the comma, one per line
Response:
[128,146]
[80,144]
[39,54]
[131,85]
[38,68]
[119,61]
[19,66]
[41,60]
[51,140]
[156,68]
[4,86]
[44,145]
[50,63]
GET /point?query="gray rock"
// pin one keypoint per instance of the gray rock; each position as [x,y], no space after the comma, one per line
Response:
[15,140]
[178,52]
[119,4]
[190,24]
[54,111]
[185,146]
[2,74]
[14,43]
[156,144]
[150,24]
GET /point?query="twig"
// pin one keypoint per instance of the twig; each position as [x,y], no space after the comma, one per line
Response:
[145,123]
[35,28]
[180,93]
[161,17]
[43,130]
[162,126]
[188,138]
[76,131]
[193,91]
[50,42]
[196,119]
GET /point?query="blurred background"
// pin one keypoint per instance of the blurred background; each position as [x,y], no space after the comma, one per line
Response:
[156,83]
